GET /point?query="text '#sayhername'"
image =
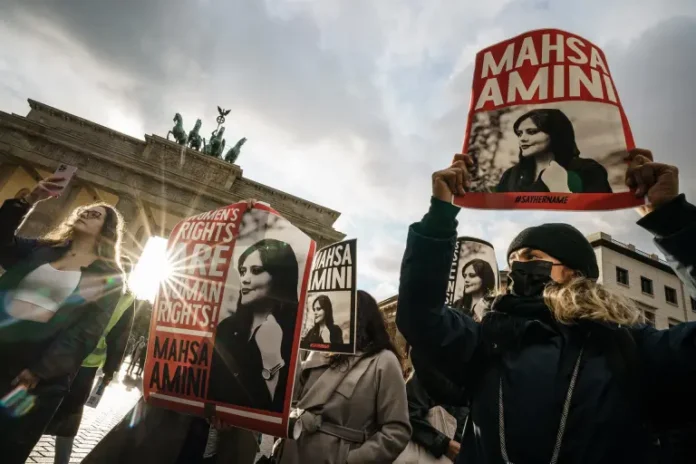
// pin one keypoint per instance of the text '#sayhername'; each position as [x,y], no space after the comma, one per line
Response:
[542,199]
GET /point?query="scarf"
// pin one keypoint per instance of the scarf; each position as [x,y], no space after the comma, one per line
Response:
[512,318]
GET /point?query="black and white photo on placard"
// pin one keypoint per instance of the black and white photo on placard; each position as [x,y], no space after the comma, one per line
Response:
[476,275]
[259,313]
[330,313]
[561,147]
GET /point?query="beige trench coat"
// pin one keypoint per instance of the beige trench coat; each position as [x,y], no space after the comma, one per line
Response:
[369,394]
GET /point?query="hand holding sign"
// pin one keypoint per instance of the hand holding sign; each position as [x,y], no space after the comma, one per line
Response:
[27,379]
[660,182]
[455,180]
[555,178]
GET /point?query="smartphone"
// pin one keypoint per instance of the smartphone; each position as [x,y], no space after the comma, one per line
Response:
[66,173]
[18,402]
[14,397]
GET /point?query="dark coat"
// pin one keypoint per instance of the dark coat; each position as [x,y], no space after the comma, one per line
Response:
[605,423]
[419,404]
[66,421]
[117,340]
[53,350]
[584,176]
[335,335]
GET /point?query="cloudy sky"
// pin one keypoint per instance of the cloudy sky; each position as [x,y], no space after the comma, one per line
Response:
[348,103]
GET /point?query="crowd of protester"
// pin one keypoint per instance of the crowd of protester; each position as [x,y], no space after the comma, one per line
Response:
[557,368]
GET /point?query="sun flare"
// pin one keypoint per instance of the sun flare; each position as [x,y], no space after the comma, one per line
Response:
[152,269]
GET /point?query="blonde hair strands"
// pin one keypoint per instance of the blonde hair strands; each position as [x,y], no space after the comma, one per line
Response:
[109,244]
[582,298]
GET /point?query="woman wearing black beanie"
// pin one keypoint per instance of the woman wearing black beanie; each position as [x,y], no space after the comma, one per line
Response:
[561,369]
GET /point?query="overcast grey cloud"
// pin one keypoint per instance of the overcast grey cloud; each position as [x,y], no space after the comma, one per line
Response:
[351,104]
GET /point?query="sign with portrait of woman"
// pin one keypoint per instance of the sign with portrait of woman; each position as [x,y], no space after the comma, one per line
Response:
[473,276]
[546,129]
[225,330]
[330,316]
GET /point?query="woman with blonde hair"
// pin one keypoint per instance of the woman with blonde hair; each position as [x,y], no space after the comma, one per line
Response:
[56,297]
[560,369]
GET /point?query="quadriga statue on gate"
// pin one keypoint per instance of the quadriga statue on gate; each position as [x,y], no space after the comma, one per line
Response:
[233,153]
[178,130]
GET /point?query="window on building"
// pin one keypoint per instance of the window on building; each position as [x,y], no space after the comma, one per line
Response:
[646,285]
[693,304]
[649,317]
[670,295]
[673,322]
[621,275]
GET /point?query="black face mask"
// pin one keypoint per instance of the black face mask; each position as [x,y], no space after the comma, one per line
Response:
[529,278]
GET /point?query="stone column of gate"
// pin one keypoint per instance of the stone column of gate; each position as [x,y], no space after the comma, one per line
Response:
[128,207]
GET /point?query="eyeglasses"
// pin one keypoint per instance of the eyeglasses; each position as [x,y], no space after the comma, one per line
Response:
[90,214]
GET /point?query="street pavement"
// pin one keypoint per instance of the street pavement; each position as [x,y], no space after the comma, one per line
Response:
[119,397]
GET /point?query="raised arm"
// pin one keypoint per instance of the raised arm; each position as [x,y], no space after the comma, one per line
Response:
[668,216]
[668,356]
[13,213]
[13,248]
[445,335]
[674,226]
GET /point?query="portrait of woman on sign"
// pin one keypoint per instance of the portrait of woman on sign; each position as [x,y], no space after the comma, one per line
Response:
[324,330]
[478,281]
[253,344]
[549,159]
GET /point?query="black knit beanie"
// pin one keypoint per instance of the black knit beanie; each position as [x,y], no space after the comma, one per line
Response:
[562,241]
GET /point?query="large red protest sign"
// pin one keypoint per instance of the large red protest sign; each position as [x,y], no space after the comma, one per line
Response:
[226,324]
[546,129]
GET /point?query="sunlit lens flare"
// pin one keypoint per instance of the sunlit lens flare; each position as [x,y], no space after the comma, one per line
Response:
[152,269]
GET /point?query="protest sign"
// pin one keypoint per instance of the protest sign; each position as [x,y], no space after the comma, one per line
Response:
[225,329]
[330,314]
[546,129]
[473,275]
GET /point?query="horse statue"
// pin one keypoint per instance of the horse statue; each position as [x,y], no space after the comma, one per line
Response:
[178,130]
[232,155]
[195,140]
[216,144]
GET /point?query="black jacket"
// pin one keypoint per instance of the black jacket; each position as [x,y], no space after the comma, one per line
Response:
[54,350]
[117,340]
[419,404]
[335,335]
[605,423]
[584,176]
[236,371]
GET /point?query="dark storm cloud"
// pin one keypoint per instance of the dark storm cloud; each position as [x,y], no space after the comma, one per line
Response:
[655,80]
[228,53]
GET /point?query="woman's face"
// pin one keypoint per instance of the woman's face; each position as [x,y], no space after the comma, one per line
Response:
[532,140]
[319,313]
[472,282]
[255,280]
[90,221]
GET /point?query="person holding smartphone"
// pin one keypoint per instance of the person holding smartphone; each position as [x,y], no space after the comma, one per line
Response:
[56,298]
